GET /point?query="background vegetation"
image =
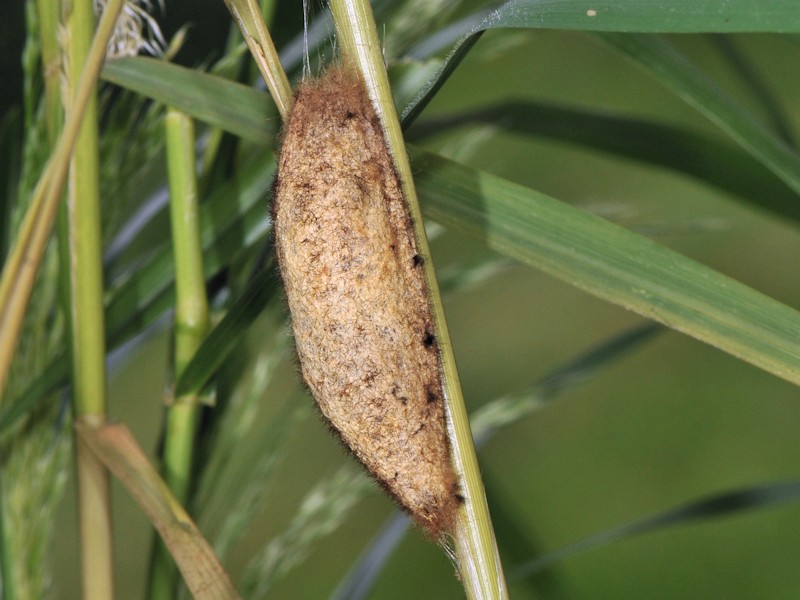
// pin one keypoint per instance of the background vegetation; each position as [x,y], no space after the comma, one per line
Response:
[650,426]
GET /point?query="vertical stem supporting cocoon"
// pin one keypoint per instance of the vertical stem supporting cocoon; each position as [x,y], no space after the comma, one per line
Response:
[476,548]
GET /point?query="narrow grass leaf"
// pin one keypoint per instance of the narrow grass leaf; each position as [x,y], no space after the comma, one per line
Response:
[757,86]
[612,263]
[707,158]
[683,16]
[711,507]
[722,164]
[116,447]
[53,376]
[219,102]
[678,73]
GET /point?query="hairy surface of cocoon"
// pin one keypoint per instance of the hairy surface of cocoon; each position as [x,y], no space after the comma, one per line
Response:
[354,281]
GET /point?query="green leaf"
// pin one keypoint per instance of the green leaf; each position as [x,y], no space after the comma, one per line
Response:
[54,375]
[713,506]
[612,263]
[679,74]
[682,16]
[760,90]
[219,102]
[707,158]
[657,56]
[722,164]
[679,16]
[662,60]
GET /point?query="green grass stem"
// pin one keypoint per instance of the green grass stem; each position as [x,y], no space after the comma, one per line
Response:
[191,309]
[191,326]
[87,327]
[86,276]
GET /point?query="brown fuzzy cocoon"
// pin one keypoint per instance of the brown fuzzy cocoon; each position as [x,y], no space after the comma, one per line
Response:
[359,303]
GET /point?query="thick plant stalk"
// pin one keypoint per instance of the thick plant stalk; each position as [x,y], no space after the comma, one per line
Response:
[476,549]
[87,326]
[191,325]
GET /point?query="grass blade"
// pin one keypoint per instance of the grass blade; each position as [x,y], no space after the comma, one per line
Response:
[613,263]
[679,74]
[208,98]
[684,16]
[759,88]
[116,447]
[709,159]
[710,507]
[244,111]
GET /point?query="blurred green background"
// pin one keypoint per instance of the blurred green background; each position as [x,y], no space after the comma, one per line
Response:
[675,421]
